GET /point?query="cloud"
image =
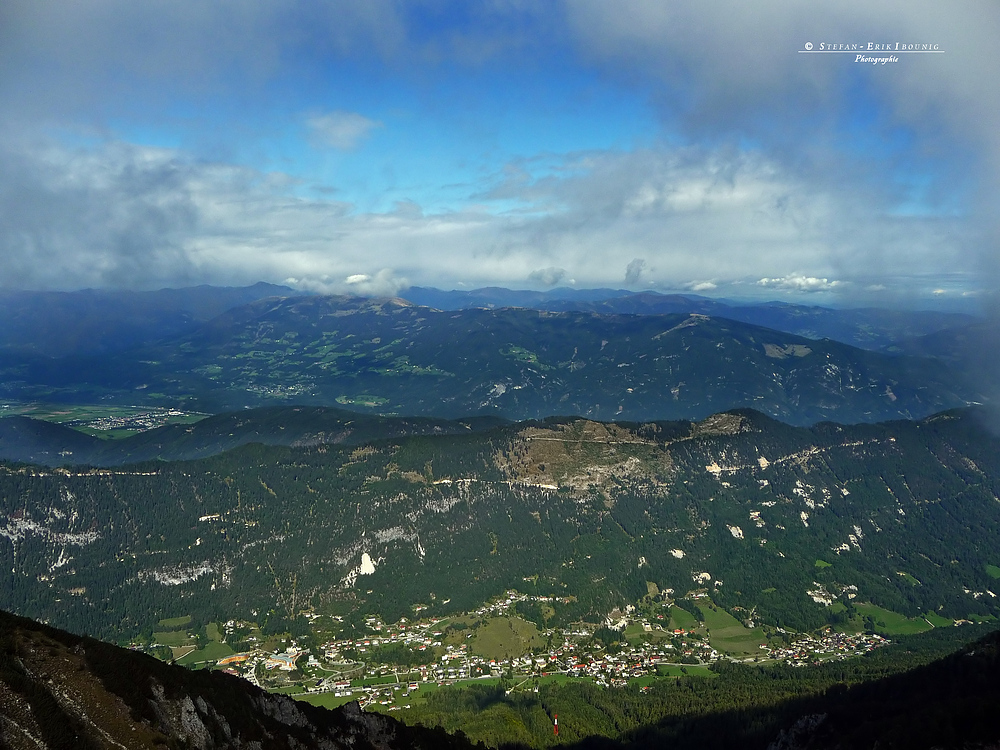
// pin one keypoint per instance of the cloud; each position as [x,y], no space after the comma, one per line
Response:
[117,214]
[385,283]
[700,286]
[547,276]
[107,218]
[772,165]
[341,130]
[112,55]
[731,71]
[633,273]
[799,283]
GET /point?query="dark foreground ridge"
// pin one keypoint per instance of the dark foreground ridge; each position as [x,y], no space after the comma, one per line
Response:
[59,690]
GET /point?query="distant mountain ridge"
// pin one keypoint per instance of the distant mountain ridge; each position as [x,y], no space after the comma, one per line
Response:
[390,356]
[868,328]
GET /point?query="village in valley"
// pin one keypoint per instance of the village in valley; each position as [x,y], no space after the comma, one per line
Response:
[387,666]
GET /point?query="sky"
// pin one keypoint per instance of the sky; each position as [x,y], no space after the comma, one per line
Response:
[367,146]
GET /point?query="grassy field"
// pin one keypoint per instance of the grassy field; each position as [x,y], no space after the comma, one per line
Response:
[172,623]
[325,700]
[292,690]
[214,632]
[993,571]
[179,652]
[505,637]
[979,619]
[823,564]
[633,632]
[893,623]
[681,618]
[938,621]
[329,700]
[173,638]
[213,651]
[728,634]
[675,670]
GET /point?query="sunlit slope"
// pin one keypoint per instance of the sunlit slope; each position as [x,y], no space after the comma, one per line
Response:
[776,524]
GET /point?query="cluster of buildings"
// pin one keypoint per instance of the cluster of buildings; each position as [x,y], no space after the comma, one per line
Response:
[138,422]
[351,667]
[808,649]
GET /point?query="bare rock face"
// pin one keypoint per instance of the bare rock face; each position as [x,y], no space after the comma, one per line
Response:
[61,691]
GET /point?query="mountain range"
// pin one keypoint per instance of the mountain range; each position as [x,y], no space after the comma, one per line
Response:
[305,493]
[868,328]
[389,356]
[91,321]
[98,321]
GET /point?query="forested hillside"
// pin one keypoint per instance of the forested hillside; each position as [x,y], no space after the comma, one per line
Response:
[786,526]
[43,442]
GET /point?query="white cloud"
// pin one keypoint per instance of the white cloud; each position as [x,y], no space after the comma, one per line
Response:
[723,73]
[732,70]
[800,283]
[341,130]
[547,276]
[634,271]
[385,283]
[124,215]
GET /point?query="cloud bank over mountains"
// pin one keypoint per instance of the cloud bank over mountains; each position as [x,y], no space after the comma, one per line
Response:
[365,147]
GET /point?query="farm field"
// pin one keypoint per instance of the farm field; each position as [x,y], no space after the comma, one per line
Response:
[938,621]
[505,637]
[173,638]
[726,633]
[212,652]
[893,623]
[682,619]
[172,623]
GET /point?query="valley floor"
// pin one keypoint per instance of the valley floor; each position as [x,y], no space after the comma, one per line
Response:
[393,666]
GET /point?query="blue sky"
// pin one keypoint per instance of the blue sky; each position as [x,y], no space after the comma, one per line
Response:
[364,147]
